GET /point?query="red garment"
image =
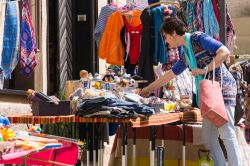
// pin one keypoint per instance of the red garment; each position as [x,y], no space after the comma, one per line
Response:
[133,41]
[216,11]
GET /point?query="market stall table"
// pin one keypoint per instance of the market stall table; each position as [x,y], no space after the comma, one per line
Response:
[152,121]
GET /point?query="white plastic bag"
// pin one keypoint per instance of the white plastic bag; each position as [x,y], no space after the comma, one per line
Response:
[244,147]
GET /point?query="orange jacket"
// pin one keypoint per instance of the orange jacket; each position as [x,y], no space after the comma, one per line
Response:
[111,47]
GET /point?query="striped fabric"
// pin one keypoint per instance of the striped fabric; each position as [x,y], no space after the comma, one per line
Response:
[29,119]
[106,11]
[157,119]
[191,116]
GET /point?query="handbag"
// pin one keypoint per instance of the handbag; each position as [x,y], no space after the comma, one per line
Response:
[211,101]
[205,160]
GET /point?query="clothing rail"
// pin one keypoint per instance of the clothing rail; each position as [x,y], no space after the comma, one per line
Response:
[166,3]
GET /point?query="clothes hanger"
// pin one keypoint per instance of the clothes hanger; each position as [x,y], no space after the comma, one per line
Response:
[116,3]
[166,3]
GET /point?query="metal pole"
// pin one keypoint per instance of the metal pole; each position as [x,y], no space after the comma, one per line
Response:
[88,148]
[184,144]
[152,154]
[160,156]
[94,146]
[134,148]
[223,21]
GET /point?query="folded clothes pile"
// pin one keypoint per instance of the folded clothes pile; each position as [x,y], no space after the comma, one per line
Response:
[111,108]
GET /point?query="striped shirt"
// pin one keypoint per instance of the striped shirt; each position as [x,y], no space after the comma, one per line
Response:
[106,11]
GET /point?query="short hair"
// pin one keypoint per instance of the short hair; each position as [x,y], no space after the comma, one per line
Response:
[171,24]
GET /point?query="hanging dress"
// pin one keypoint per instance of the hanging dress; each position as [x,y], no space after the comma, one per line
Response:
[133,41]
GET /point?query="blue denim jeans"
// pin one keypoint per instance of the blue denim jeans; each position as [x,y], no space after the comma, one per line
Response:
[211,133]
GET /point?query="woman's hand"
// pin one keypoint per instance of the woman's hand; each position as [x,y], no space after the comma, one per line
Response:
[145,92]
[198,71]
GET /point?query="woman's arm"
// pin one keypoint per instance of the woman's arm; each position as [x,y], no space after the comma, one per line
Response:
[169,75]
[221,55]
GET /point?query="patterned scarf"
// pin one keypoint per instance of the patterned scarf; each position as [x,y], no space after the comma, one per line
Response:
[231,35]
[211,25]
[11,38]
[28,42]
[198,15]
[191,16]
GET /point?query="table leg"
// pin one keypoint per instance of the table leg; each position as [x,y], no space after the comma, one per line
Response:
[98,141]
[150,143]
[94,145]
[88,148]
[152,155]
[55,155]
[163,133]
[24,161]
[183,144]
[102,142]
[134,147]
[123,144]
[126,144]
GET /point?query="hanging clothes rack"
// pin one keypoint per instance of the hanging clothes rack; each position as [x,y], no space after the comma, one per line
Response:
[177,4]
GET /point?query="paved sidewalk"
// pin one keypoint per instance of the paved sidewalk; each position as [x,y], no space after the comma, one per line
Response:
[14,105]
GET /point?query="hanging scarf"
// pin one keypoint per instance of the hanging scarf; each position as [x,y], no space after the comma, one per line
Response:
[11,38]
[211,25]
[2,18]
[191,16]
[231,36]
[28,42]
[198,15]
[152,1]
[191,61]
[159,44]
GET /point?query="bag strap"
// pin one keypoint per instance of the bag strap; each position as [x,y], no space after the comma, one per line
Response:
[214,73]
[213,70]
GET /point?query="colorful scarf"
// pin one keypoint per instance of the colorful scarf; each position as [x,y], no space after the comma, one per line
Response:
[28,42]
[231,36]
[191,16]
[11,38]
[211,25]
[191,61]
[198,16]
